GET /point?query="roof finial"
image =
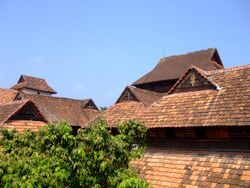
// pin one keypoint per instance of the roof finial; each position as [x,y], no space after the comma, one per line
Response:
[164,52]
[213,43]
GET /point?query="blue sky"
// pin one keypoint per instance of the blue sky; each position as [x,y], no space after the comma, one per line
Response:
[93,49]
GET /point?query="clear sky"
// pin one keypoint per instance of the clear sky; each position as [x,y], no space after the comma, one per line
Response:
[93,49]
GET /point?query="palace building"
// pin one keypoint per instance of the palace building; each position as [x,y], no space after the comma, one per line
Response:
[198,117]
[30,104]
[197,113]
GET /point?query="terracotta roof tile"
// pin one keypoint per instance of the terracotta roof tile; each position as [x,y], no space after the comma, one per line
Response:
[33,83]
[145,96]
[173,67]
[127,110]
[55,109]
[230,106]
[22,125]
[194,169]
[7,95]
[119,112]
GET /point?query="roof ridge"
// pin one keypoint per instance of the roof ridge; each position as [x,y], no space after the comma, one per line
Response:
[189,53]
[24,75]
[143,90]
[66,98]
[228,69]
[16,102]
[54,97]
[172,67]
[8,89]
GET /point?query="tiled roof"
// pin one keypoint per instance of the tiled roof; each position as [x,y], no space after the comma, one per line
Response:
[173,67]
[7,110]
[57,109]
[33,83]
[7,95]
[229,106]
[194,70]
[119,112]
[145,96]
[127,110]
[194,169]
[22,125]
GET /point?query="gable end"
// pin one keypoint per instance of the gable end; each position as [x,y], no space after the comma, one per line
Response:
[90,104]
[216,58]
[27,112]
[193,80]
[127,95]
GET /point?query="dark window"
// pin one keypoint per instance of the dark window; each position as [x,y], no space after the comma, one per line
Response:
[235,132]
[38,93]
[170,133]
[26,113]
[18,97]
[200,132]
[90,105]
[247,132]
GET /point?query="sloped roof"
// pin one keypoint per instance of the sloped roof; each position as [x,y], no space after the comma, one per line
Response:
[145,96]
[7,110]
[119,112]
[33,83]
[55,109]
[127,110]
[173,67]
[194,169]
[22,125]
[230,106]
[7,95]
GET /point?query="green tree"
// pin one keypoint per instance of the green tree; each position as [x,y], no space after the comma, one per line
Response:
[55,157]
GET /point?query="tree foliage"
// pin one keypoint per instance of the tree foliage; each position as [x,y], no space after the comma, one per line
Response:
[55,157]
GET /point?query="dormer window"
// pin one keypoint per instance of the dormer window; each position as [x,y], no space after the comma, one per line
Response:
[18,97]
[128,95]
[90,105]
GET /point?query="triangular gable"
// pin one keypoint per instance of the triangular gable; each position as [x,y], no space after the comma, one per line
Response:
[216,58]
[23,110]
[90,104]
[28,112]
[194,79]
[21,79]
[127,95]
